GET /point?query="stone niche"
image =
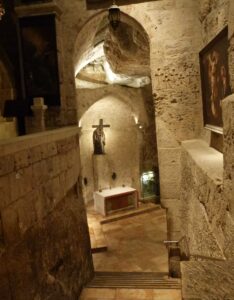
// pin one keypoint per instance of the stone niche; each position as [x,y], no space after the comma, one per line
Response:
[130,140]
[121,150]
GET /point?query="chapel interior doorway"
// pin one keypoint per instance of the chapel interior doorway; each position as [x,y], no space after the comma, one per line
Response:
[114,91]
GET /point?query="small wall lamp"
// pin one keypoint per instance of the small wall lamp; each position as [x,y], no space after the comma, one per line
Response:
[114,15]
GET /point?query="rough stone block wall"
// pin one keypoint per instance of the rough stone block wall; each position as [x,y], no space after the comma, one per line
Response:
[44,241]
[203,208]
[231,42]
[175,80]
[213,18]
[208,280]
[228,134]
[174,63]
[208,225]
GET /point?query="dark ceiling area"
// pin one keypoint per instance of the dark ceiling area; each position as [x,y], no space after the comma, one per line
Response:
[95,4]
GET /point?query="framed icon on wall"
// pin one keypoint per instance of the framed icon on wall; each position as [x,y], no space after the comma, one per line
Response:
[215,80]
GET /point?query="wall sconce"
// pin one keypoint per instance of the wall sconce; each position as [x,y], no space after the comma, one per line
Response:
[2,10]
[140,125]
[114,15]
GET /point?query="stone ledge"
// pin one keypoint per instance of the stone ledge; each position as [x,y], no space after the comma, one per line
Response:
[25,142]
[207,158]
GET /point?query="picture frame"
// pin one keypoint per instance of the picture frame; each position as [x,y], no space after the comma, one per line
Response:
[39,58]
[215,81]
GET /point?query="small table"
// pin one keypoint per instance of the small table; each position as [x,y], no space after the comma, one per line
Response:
[112,200]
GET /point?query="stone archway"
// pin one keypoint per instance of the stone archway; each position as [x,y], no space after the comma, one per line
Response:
[131,48]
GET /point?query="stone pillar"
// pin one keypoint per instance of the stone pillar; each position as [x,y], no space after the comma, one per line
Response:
[38,120]
[101,172]
[228,150]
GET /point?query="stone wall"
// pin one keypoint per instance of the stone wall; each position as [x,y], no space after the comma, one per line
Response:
[228,135]
[206,213]
[44,241]
[203,209]
[208,280]
[175,79]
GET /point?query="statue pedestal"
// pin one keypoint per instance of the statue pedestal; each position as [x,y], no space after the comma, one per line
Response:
[101,172]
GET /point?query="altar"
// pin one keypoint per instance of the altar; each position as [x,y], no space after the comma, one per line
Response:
[115,199]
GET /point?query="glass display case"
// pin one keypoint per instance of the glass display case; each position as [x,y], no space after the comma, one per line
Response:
[149,186]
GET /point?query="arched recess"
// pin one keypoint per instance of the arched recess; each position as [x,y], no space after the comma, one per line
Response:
[88,38]
[138,109]
[7,92]
[85,40]
[123,144]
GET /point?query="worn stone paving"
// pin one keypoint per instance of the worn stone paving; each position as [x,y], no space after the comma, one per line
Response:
[134,244]
[130,294]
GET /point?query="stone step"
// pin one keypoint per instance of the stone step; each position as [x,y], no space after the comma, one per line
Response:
[99,249]
[135,280]
[130,213]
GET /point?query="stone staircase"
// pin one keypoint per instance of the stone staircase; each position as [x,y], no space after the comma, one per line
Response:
[134,280]
[132,286]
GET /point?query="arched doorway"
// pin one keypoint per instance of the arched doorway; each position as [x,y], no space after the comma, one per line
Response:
[117,62]
[112,73]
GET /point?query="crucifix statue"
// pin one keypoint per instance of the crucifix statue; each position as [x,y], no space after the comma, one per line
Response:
[99,138]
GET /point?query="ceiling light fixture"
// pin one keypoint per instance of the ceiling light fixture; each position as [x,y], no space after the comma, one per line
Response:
[114,15]
[2,10]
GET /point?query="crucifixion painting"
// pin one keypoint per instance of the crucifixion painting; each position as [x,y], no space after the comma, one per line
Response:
[99,138]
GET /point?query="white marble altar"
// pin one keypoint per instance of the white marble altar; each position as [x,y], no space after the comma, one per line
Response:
[114,199]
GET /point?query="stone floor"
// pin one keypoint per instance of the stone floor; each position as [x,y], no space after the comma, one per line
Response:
[130,294]
[135,244]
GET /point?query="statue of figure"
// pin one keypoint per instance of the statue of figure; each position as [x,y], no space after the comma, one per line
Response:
[99,140]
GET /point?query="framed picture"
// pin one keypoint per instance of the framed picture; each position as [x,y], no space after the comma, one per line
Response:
[215,79]
[39,58]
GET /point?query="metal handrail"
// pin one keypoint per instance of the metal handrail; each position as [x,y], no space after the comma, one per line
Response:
[189,256]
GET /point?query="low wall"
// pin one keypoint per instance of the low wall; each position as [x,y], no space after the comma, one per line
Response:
[207,209]
[203,209]
[44,241]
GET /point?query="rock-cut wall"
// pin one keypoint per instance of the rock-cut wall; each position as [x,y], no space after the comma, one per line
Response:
[44,241]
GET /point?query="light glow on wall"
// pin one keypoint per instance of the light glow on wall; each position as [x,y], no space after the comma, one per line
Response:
[89,57]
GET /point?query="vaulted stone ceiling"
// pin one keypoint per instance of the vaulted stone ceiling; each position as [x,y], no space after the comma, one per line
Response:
[118,56]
